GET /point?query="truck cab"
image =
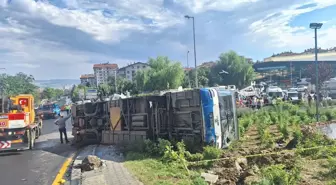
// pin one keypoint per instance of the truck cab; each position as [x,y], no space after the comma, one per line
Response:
[49,110]
[20,126]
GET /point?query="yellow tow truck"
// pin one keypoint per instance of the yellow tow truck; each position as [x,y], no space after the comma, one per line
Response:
[20,125]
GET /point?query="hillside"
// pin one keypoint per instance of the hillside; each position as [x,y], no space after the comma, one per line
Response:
[56,83]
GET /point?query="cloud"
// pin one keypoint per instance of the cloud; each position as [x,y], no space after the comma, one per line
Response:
[278,31]
[63,38]
[199,6]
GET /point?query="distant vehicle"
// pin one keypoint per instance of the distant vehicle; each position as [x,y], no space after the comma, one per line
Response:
[301,88]
[50,110]
[274,92]
[293,96]
[293,89]
[304,81]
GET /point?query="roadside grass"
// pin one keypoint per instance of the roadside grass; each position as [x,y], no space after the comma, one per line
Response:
[161,162]
[155,172]
[271,129]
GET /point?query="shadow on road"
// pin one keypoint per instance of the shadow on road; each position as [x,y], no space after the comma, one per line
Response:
[10,153]
[54,146]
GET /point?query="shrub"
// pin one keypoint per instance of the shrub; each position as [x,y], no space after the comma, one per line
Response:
[162,145]
[210,152]
[332,167]
[278,175]
[194,157]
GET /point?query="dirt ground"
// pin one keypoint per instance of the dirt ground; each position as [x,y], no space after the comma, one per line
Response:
[247,157]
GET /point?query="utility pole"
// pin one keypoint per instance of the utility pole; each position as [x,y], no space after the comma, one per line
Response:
[291,69]
[115,81]
[188,69]
[316,26]
[2,91]
[193,20]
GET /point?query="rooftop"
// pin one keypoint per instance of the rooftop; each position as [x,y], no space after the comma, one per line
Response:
[106,65]
[87,76]
[307,56]
[133,64]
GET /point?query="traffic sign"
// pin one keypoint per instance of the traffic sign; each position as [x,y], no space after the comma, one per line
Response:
[5,144]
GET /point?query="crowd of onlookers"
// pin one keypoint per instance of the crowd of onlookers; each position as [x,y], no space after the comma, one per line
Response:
[256,102]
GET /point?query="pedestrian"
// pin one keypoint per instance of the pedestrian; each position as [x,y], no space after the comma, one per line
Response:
[61,122]
[309,100]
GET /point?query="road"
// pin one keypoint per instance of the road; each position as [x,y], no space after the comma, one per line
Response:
[40,165]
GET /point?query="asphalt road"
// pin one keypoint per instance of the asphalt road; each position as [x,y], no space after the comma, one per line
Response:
[40,165]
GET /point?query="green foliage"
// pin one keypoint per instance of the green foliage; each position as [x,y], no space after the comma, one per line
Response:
[279,175]
[202,77]
[51,93]
[240,72]
[194,157]
[162,74]
[211,152]
[123,85]
[332,167]
[18,84]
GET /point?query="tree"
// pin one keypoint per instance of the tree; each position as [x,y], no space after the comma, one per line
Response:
[239,71]
[162,74]
[20,83]
[123,85]
[51,93]
[202,77]
[325,73]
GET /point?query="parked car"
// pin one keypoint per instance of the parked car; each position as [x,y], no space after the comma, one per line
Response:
[302,88]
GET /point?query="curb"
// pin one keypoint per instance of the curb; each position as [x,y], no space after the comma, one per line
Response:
[76,173]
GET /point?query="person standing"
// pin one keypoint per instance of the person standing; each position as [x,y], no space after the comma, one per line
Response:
[61,122]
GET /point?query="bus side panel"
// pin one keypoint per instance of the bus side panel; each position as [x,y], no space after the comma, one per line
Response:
[207,106]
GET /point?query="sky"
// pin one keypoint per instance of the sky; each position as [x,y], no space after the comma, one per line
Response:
[61,39]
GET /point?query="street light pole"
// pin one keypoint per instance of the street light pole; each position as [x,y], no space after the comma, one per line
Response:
[2,87]
[316,26]
[188,69]
[193,20]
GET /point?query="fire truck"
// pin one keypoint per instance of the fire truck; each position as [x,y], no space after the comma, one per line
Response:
[20,125]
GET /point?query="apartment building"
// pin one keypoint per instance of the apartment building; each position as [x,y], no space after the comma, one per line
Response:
[88,78]
[103,71]
[130,70]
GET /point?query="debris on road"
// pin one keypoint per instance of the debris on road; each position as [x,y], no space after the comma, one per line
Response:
[91,162]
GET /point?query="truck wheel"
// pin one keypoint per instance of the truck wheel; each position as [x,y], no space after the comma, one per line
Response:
[31,139]
[38,132]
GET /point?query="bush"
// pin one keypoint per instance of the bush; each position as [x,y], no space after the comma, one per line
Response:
[194,157]
[278,175]
[162,145]
[332,167]
[132,156]
[210,152]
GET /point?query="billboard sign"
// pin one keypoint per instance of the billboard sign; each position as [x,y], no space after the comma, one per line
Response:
[91,93]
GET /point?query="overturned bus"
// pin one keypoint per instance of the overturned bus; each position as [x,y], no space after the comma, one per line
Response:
[206,115]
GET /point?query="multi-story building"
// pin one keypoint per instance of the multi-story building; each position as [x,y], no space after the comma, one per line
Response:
[88,78]
[103,71]
[130,70]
